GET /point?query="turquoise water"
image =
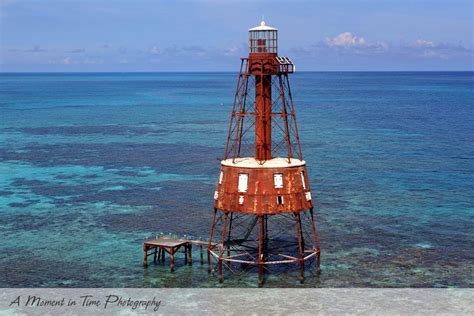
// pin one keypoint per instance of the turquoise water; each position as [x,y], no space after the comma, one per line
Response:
[91,164]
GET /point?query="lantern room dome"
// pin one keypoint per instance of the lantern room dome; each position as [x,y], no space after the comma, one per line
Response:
[263,27]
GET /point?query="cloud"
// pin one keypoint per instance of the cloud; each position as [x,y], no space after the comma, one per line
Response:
[236,50]
[347,44]
[93,60]
[78,50]
[343,44]
[193,50]
[122,50]
[66,61]
[428,49]
[154,50]
[36,49]
[423,43]
[346,39]
[178,51]
[343,48]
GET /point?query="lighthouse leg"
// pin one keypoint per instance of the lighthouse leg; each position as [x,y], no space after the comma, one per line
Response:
[210,242]
[318,263]
[300,246]
[221,250]
[260,251]
[316,243]
[202,257]
[266,240]
[228,237]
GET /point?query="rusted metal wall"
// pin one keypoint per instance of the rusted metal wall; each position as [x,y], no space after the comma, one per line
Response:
[262,196]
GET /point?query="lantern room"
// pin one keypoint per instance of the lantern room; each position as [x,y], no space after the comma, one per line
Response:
[263,39]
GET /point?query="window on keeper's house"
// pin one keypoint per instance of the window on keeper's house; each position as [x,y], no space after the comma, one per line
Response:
[243,182]
[278,180]
[280,200]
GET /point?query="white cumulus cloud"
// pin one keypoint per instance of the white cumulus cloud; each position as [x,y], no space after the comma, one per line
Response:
[346,39]
[66,61]
[423,43]
[155,50]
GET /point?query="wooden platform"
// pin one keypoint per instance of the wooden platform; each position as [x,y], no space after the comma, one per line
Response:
[160,246]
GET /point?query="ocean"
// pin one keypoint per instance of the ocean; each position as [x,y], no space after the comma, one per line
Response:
[93,163]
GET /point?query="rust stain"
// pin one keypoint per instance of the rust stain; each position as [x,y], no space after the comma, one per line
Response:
[262,196]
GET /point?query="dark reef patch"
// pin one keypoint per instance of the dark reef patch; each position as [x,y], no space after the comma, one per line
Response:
[87,130]
[170,158]
[16,204]
[22,182]
[64,177]
[39,221]
[178,206]
[23,273]
[144,194]
[136,195]
[129,173]
[50,189]
[91,176]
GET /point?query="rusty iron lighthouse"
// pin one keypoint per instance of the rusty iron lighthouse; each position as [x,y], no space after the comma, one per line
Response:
[263,210]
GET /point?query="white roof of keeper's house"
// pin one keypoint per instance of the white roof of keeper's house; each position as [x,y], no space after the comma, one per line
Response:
[263,27]
[250,162]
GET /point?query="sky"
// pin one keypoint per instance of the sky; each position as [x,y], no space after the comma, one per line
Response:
[211,35]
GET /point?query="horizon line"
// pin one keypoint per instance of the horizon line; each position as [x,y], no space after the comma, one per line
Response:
[216,71]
